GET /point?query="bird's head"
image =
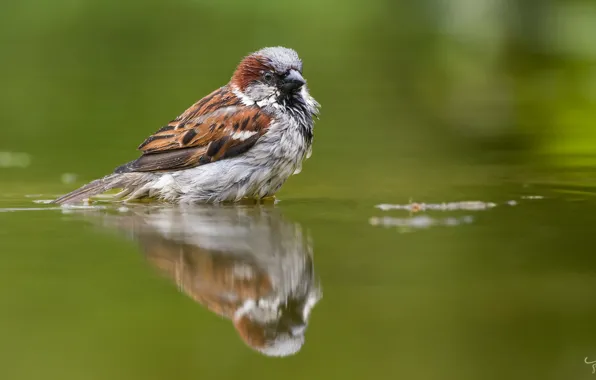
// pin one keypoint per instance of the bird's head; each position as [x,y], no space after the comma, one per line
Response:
[272,74]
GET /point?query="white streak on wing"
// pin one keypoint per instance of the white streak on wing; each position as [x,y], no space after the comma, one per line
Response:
[243,98]
[243,135]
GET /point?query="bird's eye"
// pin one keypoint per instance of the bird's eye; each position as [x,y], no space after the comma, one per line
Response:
[268,77]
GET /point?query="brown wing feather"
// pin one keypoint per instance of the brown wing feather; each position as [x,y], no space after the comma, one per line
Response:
[214,128]
[169,160]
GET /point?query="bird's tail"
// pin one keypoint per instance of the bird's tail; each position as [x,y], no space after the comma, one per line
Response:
[99,186]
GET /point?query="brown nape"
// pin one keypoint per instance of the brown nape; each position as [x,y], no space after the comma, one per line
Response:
[249,70]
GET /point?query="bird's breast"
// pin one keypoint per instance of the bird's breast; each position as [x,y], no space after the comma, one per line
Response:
[284,143]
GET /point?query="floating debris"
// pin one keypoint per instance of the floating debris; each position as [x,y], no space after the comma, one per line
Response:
[420,222]
[43,201]
[426,221]
[532,197]
[14,160]
[450,206]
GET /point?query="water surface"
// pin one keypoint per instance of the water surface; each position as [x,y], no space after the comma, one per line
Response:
[452,287]
[442,229]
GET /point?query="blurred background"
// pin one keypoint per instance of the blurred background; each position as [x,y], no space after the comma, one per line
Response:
[428,100]
[406,87]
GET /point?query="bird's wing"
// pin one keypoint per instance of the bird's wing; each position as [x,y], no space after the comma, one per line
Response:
[218,126]
[210,277]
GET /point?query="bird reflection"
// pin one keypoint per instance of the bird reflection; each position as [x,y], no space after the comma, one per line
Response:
[247,264]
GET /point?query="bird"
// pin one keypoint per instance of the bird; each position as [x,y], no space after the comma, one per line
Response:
[242,141]
[248,265]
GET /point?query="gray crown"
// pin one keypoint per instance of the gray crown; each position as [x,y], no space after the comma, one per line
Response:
[282,59]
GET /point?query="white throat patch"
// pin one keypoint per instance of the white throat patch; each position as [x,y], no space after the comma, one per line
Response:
[267,101]
[247,101]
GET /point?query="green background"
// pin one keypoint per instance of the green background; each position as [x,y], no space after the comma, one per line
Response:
[431,101]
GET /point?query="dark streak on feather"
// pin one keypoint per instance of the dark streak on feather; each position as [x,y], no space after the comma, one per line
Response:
[210,107]
[173,160]
[208,98]
[216,145]
[166,128]
[153,138]
[241,148]
[188,136]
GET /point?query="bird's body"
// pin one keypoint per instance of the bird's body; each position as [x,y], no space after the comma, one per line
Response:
[242,141]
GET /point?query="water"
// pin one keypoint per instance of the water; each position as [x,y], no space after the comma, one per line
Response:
[443,228]
[449,288]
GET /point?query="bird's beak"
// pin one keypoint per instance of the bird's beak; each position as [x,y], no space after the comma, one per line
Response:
[292,81]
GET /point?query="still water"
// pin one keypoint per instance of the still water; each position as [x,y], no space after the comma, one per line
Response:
[456,287]
[443,229]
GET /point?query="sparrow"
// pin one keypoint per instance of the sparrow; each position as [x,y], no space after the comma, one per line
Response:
[247,264]
[242,141]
